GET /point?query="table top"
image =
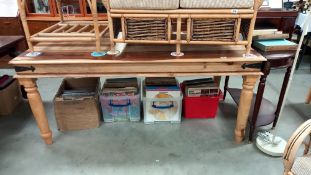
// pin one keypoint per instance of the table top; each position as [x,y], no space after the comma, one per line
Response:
[141,60]
[273,12]
[145,54]
[7,42]
[280,59]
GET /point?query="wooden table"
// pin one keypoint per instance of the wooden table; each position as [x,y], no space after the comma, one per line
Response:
[262,117]
[281,19]
[9,45]
[141,61]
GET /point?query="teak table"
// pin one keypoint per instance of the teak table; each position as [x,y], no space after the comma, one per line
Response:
[141,61]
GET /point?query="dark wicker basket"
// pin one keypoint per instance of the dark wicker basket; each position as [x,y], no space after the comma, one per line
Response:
[213,29]
[146,28]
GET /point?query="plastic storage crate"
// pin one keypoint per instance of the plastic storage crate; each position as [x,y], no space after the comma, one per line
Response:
[201,107]
[162,109]
[125,108]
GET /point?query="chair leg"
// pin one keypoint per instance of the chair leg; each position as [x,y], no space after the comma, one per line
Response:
[308,101]
[226,86]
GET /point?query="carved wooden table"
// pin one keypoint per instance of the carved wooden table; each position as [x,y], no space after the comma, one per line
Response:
[141,61]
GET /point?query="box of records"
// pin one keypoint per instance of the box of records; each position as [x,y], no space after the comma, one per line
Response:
[201,98]
[76,104]
[120,100]
[162,99]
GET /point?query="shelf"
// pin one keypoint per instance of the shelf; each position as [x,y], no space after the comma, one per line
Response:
[266,112]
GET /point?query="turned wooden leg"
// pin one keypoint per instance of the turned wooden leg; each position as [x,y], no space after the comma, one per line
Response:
[244,106]
[37,108]
[309,97]
[259,96]
[282,94]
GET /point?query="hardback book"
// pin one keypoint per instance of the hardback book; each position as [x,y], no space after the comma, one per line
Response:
[274,45]
[271,36]
[208,89]
[257,32]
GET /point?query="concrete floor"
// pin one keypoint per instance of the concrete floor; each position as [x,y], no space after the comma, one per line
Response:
[193,147]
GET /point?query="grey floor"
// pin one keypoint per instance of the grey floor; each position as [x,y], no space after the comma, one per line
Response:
[193,147]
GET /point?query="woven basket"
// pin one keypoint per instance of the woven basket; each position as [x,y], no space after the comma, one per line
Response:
[213,29]
[146,28]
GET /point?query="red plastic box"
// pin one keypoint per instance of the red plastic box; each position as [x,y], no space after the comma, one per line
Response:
[201,107]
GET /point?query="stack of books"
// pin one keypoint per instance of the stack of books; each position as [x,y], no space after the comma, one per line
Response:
[120,87]
[201,87]
[269,40]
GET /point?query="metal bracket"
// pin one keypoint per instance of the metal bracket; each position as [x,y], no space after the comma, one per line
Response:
[23,69]
[255,65]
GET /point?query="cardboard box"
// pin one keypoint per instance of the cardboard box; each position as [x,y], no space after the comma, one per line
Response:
[78,112]
[10,97]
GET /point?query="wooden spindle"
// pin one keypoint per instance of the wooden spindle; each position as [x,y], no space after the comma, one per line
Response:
[22,11]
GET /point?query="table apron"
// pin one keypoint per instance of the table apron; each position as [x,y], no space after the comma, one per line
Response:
[59,69]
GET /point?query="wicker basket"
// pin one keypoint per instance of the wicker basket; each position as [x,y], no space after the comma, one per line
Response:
[146,28]
[213,29]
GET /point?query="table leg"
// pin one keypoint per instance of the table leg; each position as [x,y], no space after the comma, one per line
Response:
[281,98]
[226,86]
[260,92]
[37,108]
[217,80]
[244,106]
[308,101]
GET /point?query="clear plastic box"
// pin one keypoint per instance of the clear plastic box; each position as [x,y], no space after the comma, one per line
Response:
[162,110]
[125,108]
